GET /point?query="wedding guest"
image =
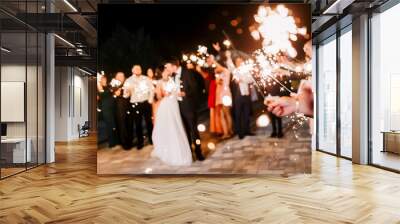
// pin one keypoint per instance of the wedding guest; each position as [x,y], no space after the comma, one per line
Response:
[150,74]
[241,96]
[123,116]
[106,106]
[141,92]
[208,73]
[224,99]
[190,66]
[154,77]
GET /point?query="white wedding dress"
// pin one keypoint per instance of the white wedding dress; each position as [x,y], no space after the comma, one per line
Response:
[169,138]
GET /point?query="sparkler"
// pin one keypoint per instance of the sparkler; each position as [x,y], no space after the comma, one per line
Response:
[199,57]
[227,43]
[115,83]
[277,29]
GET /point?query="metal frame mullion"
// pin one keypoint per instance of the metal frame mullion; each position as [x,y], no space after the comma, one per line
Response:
[338,94]
[369,80]
[37,91]
[0,97]
[26,87]
[317,97]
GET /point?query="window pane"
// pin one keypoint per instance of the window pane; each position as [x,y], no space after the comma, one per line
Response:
[346,94]
[327,96]
[385,85]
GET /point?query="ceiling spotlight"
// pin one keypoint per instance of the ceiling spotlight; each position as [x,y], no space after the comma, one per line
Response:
[70,5]
[84,71]
[64,40]
[5,50]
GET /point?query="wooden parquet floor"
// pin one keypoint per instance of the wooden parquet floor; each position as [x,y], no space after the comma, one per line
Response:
[70,191]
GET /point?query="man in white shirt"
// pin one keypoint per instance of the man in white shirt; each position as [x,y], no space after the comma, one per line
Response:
[241,96]
[140,90]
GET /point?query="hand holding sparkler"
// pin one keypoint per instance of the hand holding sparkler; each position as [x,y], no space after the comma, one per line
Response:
[302,102]
[216,46]
[281,106]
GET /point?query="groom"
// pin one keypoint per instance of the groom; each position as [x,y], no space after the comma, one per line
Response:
[187,102]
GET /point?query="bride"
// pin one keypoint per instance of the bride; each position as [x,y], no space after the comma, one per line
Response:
[169,138]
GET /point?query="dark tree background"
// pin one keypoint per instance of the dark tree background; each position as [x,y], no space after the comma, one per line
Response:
[126,47]
[147,34]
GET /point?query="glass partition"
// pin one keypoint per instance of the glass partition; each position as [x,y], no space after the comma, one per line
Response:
[22,78]
[14,144]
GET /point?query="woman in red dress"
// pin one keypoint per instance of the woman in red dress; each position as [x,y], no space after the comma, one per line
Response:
[215,116]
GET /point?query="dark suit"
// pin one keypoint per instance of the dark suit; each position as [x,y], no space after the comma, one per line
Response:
[188,106]
[107,106]
[124,121]
[241,110]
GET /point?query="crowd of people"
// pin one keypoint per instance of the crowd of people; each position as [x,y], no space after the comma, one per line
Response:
[166,101]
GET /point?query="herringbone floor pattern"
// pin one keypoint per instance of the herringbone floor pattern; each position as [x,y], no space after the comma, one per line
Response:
[70,191]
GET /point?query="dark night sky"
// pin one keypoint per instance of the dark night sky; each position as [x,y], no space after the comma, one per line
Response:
[180,28]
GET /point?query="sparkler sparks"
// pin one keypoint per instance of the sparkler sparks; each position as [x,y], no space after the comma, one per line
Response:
[278,29]
[198,58]
[227,43]
[115,83]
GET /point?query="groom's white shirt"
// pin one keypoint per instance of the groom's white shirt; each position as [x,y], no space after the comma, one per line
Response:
[141,89]
[177,80]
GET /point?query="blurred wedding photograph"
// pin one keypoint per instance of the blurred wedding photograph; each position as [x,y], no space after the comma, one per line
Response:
[204,89]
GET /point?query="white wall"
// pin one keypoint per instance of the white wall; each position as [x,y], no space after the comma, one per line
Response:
[33,127]
[71,102]
[15,72]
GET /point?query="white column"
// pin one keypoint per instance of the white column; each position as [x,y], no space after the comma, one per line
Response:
[50,92]
[360,90]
